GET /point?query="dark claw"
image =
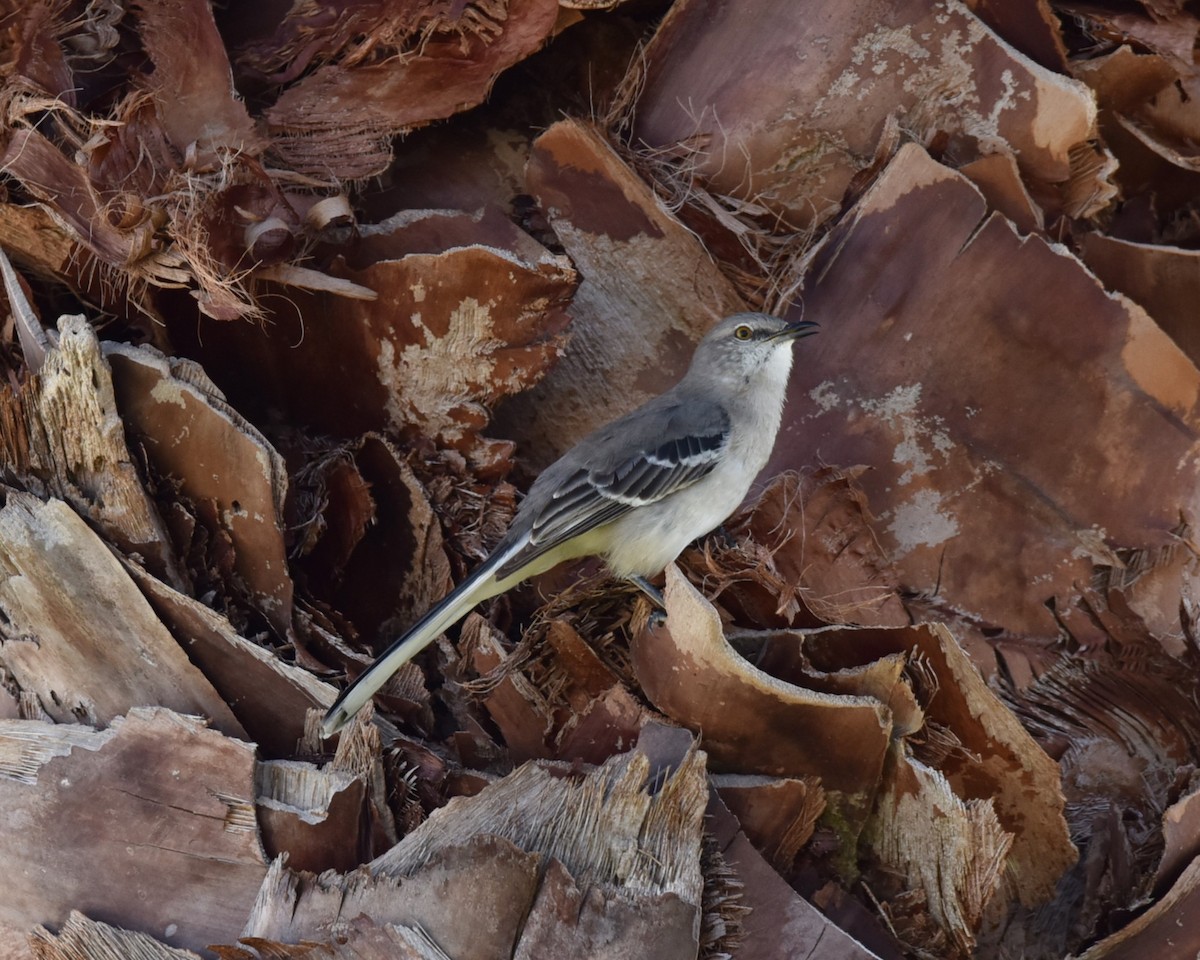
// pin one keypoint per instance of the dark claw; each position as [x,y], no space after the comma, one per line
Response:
[650,590]
[724,537]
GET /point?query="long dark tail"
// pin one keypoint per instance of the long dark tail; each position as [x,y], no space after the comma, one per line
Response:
[474,590]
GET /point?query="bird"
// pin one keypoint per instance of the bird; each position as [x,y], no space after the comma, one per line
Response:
[634,492]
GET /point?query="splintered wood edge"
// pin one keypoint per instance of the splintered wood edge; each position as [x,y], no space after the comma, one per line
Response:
[590,825]
[82,937]
[954,850]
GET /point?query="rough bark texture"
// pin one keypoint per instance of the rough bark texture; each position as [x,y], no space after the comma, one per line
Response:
[303,296]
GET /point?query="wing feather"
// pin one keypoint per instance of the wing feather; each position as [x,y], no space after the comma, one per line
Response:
[588,497]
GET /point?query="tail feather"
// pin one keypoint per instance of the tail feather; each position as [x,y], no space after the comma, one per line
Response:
[474,590]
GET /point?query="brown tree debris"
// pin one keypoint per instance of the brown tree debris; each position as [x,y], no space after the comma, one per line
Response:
[983,441]
[519,710]
[1122,728]
[777,814]
[1029,25]
[649,291]
[1164,280]
[819,535]
[951,464]
[1181,837]
[750,722]
[372,546]
[998,178]
[646,864]
[995,760]
[78,210]
[155,804]
[82,937]
[365,940]
[788,655]
[460,322]
[218,462]
[780,921]
[76,630]
[1167,928]
[197,105]
[268,696]
[553,697]
[61,435]
[810,93]
[294,907]
[378,75]
[313,815]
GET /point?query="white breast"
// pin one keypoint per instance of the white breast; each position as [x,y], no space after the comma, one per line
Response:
[643,542]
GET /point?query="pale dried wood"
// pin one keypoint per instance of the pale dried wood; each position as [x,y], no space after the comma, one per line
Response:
[486,878]
[82,938]
[605,828]
[954,851]
[530,842]
[570,918]
[35,344]
[78,633]
[291,275]
[149,823]
[268,696]
[364,940]
[62,435]
[360,754]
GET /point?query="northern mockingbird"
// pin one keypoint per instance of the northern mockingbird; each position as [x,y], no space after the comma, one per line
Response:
[635,492]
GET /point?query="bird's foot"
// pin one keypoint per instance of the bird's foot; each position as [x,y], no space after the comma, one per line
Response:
[724,538]
[651,591]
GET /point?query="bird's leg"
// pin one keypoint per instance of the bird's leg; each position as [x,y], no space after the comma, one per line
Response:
[650,590]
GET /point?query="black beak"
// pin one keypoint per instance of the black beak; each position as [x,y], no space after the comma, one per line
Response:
[799,330]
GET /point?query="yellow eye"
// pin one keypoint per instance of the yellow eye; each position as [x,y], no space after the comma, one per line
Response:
[743,332]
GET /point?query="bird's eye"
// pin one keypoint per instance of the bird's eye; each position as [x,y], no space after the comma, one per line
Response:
[743,332]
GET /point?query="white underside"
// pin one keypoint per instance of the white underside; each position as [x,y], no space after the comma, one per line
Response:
[643,542]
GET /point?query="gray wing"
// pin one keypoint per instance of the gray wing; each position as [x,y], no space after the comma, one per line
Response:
[658,450]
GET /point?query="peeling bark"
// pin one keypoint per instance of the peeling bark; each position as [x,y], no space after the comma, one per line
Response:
[812,91]
[63,436]
[953,463]
[156,804]
[362,269]
[78,633]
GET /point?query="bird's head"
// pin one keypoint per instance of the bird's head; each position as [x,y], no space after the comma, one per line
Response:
[746,346]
